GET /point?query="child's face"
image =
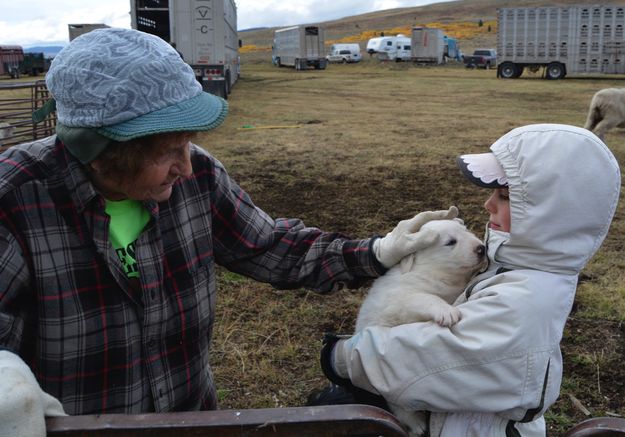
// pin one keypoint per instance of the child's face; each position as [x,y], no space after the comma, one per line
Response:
[498,205]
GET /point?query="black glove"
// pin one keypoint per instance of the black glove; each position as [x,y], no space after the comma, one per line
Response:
[346,393]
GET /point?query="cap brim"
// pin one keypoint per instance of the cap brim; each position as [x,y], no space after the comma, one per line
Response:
[483,169]
[200,113]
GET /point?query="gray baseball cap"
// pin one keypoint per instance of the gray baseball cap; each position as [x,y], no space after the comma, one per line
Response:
[124,84]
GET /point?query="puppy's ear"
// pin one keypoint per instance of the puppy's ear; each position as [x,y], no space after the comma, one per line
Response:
[406,263]
[422,239]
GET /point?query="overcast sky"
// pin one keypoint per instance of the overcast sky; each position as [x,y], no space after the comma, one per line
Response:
[44,22]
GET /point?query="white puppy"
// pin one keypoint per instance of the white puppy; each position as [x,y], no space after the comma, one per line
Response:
[423,286]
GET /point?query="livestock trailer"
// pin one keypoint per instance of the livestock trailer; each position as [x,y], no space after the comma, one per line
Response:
[299,47]
[76,30]
[10,58]
[561,40]
[428,45]
[204,32]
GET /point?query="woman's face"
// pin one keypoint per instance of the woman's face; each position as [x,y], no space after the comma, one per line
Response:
[155,179]
[498,205]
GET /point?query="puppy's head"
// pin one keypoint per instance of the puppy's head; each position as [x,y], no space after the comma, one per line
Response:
[448,248]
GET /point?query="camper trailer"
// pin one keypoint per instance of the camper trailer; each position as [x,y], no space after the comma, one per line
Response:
[345,53]
[204,32]
[373,45]
[299,47]
[395,48]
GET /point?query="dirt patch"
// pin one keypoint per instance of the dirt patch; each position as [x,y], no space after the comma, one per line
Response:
[593,352]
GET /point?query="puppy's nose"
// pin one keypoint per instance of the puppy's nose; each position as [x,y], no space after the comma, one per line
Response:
[480,250]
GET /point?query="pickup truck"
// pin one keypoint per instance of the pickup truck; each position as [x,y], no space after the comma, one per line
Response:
[481,58]
[344,56]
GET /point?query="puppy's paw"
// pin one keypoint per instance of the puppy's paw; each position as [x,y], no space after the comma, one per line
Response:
[448,316]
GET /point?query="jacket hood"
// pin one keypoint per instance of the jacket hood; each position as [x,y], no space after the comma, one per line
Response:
[564,188]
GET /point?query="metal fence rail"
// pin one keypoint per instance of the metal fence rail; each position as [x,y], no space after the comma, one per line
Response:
[17,103]
[320,421]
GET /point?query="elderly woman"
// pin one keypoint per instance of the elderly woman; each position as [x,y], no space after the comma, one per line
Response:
[110,232]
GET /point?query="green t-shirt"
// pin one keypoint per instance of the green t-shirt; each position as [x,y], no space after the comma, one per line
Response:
[128,218]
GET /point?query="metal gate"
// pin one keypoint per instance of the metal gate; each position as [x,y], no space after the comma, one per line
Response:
[18,101]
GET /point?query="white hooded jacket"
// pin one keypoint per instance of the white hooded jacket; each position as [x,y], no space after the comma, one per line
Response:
[498,370]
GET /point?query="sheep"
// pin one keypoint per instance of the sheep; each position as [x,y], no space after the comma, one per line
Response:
[607,110]
[6,131]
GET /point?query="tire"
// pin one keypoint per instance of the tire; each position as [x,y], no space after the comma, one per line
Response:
[556,71]
[508,70]
[227,85]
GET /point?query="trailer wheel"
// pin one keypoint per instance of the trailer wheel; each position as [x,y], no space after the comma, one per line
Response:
[227,84]
[508,70]
[555,71]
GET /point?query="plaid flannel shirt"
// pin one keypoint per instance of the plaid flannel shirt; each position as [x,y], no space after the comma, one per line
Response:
[66,306]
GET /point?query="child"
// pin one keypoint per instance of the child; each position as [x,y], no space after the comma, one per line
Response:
[555,191]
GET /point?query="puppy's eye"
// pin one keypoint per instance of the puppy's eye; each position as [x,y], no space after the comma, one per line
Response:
[451,242]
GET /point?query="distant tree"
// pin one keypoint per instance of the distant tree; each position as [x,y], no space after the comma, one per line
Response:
[381,33]
[489,28]
[480,23]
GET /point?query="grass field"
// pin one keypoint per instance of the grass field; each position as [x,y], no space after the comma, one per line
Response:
[355,148]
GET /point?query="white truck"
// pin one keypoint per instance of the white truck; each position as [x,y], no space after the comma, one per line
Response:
[204,32]
[299,47]
[428,45]
[395,48]
[345,53]
[561,40]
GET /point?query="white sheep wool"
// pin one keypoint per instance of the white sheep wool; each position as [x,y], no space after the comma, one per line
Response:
[23,404]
